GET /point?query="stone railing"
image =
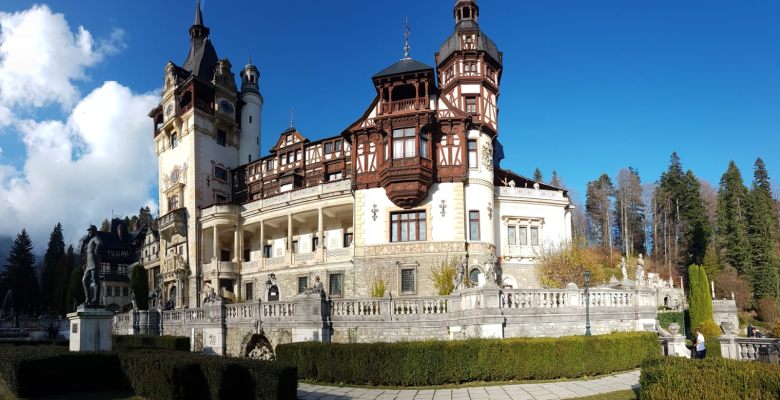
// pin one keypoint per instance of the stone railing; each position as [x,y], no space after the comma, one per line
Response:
[275,261]
[750,349]
[340,254]
[174,316]
[303,257]
[360,308]
[219,209]
[33,324]
[539,298]
[420,305]
[529,193]
[250,266]
[305,193]
[609,298]
[228,267]
[277,309]
[242,311]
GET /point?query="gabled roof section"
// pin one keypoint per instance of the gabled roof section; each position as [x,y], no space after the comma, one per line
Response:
[503,177]
[405,66]
[202,58]
[295,137]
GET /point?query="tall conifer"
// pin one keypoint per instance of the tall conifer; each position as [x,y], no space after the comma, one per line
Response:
[761,234]
[20,275]
[732,222]
[50,274]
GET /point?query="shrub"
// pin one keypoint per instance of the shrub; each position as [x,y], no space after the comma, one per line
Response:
[711,332]
[444,276]
[165,375]
[179,343]
[675,378]
[768,310]
[700,302]
[442,362]
[378,288]
[666,318]
[559,266]
[23,368]
[728,282]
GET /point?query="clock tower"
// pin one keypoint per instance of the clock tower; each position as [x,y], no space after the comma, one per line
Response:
[199,132]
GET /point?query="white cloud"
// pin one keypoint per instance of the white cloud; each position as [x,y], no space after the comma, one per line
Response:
[97,158]
[40,58]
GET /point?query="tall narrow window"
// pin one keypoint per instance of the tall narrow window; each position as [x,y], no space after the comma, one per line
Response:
[403,143]
[424,145]
[407,226]
[474,225]
[328,147]
[174,140]
[336,284]
[315,241]
[473,154]
[249,291]
[471,105]
[173,202]
[269,165]
[267,251]
[407,280]
[303,283]
[523,234]
[511,235]
[534,236]
[221,138]
[347,239]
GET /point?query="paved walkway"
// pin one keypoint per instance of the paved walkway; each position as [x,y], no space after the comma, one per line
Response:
[525,391]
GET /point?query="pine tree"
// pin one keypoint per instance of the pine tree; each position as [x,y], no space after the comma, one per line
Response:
[761,233]
[139,284]
[19,275]
[696,227]
[556,180]
[51,259]
[538,175]
[75,290]
[597,207]
[65,266]
[732,223]
[711,263]
[629,212]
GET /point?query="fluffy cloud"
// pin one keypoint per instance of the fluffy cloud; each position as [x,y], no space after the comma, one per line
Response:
[97,158]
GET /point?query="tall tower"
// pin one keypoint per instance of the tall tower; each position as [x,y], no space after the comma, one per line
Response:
[197,139]
[469,69]
[250,113]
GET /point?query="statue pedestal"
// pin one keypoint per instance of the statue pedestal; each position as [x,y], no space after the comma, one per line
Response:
[90,329]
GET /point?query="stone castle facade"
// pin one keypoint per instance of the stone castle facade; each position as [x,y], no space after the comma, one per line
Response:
[413,184]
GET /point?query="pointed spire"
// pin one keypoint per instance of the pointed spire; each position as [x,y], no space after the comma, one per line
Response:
[198,15]
[406,34]
[292,118]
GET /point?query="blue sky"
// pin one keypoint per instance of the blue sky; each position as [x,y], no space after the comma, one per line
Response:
[588,87]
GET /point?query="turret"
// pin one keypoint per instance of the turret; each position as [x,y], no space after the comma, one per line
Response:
[249,147]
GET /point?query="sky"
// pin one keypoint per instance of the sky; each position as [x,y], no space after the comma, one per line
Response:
[588,87]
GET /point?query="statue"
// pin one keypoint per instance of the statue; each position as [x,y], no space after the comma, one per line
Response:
[493,274]
[261,352]
[132,300]
[460,272]
[640,270]
[90,253]
[316,288]
[623,268]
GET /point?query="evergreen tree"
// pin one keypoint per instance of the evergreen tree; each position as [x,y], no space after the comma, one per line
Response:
[696,227]
[761,233]
[75,290]
[597,207]
[19,275]
[699,299]
[732,223]
[50,274]
[105,226]
[711,263]
[538,175]
[65,266]
[629,212]
[555,180]
[145,218]
[139,284]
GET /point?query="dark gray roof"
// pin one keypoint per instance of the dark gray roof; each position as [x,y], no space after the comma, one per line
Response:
[201,59]
[404,66]
[452,44]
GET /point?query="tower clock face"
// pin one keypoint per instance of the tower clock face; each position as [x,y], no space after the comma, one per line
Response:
[175,175]
[226,106]
[169,110]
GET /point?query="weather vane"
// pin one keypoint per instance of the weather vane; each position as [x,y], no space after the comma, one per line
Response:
[406,34]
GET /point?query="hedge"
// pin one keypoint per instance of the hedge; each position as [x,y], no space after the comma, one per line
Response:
[667,317]
[165,375]
[442,362]
[46,370]
[152,373]
[179,343]
[677,378]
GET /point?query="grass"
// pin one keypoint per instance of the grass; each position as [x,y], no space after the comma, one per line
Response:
[620,395]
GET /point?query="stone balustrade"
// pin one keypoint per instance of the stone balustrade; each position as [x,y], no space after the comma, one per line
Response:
[32,324]
[750,349]
[217,209]
[242,311]
[277,309]
[339,254]
[301,194]
[529,193]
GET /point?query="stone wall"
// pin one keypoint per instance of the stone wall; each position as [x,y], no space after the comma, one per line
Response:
[725,310]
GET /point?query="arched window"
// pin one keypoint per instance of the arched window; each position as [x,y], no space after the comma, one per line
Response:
[173,202]
[474,276]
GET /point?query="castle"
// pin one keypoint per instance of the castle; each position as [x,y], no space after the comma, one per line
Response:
[413,184]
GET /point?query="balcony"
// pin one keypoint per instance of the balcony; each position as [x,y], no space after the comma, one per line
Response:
[405,105]
[173,223]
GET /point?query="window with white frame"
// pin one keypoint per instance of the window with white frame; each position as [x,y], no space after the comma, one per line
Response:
[403,143]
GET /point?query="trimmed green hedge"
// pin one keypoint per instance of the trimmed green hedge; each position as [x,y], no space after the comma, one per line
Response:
[667,317]
[152,373]
[164,375]
[46,370]
[179,343]
[442,362]
[678,378]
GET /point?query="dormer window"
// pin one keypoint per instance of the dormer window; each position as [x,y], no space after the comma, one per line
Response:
[403,143]
[469,42]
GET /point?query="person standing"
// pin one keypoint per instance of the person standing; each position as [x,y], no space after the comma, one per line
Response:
[698,345]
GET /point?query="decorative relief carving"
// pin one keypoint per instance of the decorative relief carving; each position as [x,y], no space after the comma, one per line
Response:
[487,156]
[415,248]
[490,210]
[374,210]
[443,207]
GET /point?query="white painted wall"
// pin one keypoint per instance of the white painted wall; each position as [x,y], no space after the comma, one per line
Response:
[250,131]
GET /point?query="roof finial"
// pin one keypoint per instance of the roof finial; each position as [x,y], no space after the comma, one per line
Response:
[292,118]
[406,34]
[250,59]
[198,14]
